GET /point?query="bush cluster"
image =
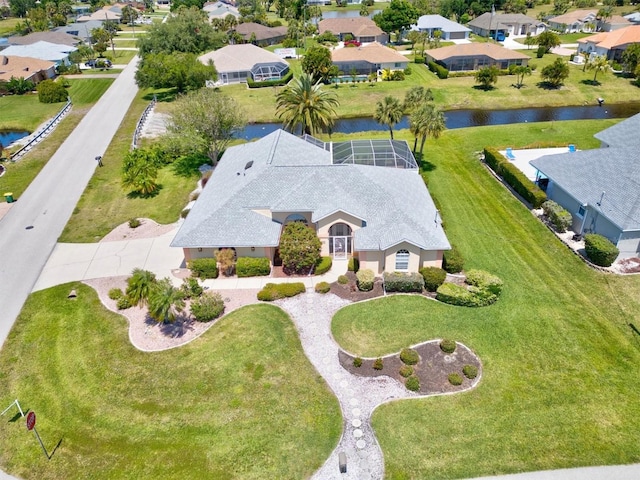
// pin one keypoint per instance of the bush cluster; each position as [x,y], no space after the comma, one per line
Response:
[299,247]
[560,218]
[252,267]
[412,383]
[455,379]
[514,177]
[365,278]
[270,83]
[353,265]
[452,260]
[274,291]
[447,346]
[406,371]
[124,302]
[439,70]
[322,287]
[484,281]
[357,362]
[433,277]
[378,365]
[470,371]
[343,279]
[134,223]
[600,250]
[483,290]
[403,282]
[51,92]
[409,356]
[419,60]
[191,288]
[115,293]
[324,265]
[207,307]
[203,267]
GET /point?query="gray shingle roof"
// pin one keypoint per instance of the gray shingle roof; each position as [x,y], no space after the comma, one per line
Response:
[588,173]
[622,134]
[438,21]
[290,174]
[499,20]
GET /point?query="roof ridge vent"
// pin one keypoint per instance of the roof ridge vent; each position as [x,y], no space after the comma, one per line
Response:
[273,147]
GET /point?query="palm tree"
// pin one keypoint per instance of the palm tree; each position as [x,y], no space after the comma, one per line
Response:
[388,112]
[304,103]
[599,64]
[427,121]
[165,301]
[140,285]
[416,97]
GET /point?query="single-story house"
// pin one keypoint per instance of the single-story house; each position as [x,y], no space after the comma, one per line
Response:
[53,52]
[220,10]
[610,44]
[367,59]
[261,34]
[31,69]
[616,22]
[80,30]
[108,12]
[236,63]
[362,29]
[599,187]
[514,24]
[363,198]
[450,30]
[61,38]
[474,56]
[575,21]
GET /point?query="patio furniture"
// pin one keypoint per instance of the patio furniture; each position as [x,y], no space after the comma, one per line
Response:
[510,154]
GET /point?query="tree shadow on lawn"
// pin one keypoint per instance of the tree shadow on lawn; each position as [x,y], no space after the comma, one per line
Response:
[484,88]
[594,83]
[180,327]
[168,95]
[548,86]
[189,165]
[155,193]
[425,165]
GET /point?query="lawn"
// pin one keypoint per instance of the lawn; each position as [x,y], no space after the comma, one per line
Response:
[105,204]
[8,26]
[559,387]
[242,401]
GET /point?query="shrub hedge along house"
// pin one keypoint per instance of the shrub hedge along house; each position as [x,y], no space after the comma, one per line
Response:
[364,199]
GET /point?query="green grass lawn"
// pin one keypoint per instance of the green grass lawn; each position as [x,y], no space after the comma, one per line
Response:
[8,26]
[105,204]
[242,401]
[25,112]
[126,42]
[559,386]
[122,57]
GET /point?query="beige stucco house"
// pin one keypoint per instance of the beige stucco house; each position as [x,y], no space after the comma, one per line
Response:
[369,58]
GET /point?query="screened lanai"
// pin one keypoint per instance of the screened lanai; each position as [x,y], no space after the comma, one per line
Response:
[262,72]
[381,153]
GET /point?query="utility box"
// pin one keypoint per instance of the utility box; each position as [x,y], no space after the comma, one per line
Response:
[342,462]
[9,197]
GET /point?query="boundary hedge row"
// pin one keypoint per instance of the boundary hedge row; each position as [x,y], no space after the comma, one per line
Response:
[270,83]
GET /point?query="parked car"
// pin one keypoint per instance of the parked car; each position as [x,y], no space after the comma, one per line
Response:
[98,63]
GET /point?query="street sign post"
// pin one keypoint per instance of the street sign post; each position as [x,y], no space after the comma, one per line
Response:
[31,420]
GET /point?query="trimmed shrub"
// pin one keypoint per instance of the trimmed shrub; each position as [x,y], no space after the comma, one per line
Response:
[600,250]
[270,83]
[204,267]
[412,384]
[191,288]
[419,60]
[470,371]
[447,346]
[207,307]
[227,260]
[439,70]
[409,356]
[406,371]
[433,277]
[324,265]
[124,302]
[514,177]
[365,278]
[455,295]
[51,92]
[455,379]
[134,223]
[343,279]
[403,282]
[560,218]
[377,365]
[252,267]
[353,265]
[115,293]
[452,261]
[299,247]
[357,362]
[484,281]
[274,291]
[323,287]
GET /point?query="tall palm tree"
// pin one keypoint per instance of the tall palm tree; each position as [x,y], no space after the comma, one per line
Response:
[416,97]
[425,122]
[165,301]
[304,103]
[388,112]
[139,286]
[599,64]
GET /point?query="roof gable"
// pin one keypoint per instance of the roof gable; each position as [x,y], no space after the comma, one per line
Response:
[438,21]
[349,25]
[372,53]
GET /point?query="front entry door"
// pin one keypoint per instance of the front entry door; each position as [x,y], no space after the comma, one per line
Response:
[339,247]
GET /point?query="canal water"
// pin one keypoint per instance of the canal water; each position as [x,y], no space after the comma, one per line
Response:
[9,136]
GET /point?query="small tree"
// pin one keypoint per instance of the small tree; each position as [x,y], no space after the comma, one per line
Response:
[51,92]
[317,63]
[487,77]
[139,286]
[19,86]
[598,64]
[548,40]
[631,57]
[140,171]
[520,71]
[227,260]
[299,248]
[165,301]
[388,112]
[555,73]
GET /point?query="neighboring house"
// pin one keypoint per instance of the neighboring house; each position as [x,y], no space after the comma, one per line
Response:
[261,34]
[363,198]
[474,56]
[610,44]
[53,52]
[58,37]
[367,59]
[514,24]
[633,17]
[236,63]
[220,10]
[616,22]
[600,187]
[108,12]
[80,30]
[31,69]
[576,21]
[362,29]
[450,30]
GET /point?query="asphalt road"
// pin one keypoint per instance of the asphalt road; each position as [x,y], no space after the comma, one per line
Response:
[29,231]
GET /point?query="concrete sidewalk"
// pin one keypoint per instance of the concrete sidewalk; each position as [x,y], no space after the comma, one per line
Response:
[615,472]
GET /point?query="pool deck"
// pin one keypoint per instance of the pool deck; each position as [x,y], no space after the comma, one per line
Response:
[523,157]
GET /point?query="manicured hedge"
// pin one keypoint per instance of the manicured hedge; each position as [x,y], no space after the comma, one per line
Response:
[433,277]
[439,70]
[600,250]
[454,294]
[253,267]
[485,281]
[365,278]
[323,266]
[483,290]
[270,83]
[560,218]
[274,291]
[204,267]
[452,260]
[514,177]
[402,282]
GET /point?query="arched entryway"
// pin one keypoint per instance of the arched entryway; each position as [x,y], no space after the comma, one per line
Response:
[340,240]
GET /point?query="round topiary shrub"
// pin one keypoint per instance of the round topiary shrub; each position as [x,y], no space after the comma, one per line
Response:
[433,277]
[115,293]
[322,287]
[343,279]
[600,250]
[448,346]
[409,356]
[124,302]
[412,384]
[366,278]
[455,379]
[377,365]
[357,362]
[207,307]
[470,371]
[406,371]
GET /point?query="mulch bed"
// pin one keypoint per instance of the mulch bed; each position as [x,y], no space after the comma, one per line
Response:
[350,290]
[432,370]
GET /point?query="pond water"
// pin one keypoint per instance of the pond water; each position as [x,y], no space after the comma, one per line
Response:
[7,137]
[347,14]
[471,118]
